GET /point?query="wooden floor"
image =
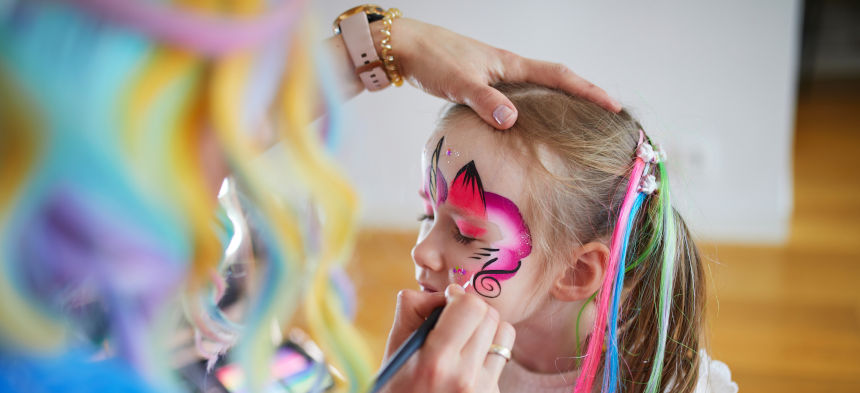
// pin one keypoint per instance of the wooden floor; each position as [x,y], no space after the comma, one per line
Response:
[785,319]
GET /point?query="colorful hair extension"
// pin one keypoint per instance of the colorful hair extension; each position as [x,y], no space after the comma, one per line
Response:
[667,275]
[610,293]
[610,374]
[596,340]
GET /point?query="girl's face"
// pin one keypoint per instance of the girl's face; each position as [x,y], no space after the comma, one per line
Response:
[473,230]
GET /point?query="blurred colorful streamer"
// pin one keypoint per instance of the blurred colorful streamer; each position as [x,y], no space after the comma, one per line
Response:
[114,117]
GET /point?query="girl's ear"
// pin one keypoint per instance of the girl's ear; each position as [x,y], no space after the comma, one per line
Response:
[583,276]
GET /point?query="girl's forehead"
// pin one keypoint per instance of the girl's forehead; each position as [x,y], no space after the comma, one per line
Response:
[453,147]
[464,138]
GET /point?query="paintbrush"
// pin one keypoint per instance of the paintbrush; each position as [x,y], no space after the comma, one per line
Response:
[409,347]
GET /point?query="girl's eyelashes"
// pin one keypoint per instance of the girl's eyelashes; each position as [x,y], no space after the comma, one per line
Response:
[458,237]
[462,239]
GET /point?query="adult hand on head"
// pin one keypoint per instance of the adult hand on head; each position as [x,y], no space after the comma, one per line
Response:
[460,69]
[455,356]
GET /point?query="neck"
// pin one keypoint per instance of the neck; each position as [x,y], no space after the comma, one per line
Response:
[546,341]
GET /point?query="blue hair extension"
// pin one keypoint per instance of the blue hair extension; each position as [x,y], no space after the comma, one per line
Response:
[610,376]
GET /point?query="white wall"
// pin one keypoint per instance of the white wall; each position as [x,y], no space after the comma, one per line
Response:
[713,81]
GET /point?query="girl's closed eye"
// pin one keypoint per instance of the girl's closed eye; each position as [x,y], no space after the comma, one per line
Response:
[462,239]
[428,213]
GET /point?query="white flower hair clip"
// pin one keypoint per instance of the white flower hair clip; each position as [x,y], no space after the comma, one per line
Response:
[648,184]
[650,156]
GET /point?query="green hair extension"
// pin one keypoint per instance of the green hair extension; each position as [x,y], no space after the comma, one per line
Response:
[666,279]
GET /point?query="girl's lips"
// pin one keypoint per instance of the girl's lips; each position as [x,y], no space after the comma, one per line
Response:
[427,287]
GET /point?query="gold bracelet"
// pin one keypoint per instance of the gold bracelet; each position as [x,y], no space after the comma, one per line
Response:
[387,59]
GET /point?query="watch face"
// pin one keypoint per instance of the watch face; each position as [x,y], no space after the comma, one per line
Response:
[373,11]
[374,17]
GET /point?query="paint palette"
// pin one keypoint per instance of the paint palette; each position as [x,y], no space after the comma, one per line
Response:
[291,371]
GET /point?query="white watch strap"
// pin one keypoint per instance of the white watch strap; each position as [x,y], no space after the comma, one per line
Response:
[359,43]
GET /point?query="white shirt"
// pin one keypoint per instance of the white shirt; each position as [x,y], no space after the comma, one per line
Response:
[714,377]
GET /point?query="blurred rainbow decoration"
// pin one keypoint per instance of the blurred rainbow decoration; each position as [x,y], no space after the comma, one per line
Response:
[291,372]
[108,112]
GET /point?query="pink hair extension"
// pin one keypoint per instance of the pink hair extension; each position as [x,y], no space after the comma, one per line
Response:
[595,343]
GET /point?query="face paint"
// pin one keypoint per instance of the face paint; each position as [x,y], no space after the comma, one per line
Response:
[503,258]
[469,229]
[436,188]
[467,192]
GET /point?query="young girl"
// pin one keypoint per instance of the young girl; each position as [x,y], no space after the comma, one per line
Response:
[565,226]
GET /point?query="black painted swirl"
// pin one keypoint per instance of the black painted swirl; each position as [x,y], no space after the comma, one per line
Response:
[485,282]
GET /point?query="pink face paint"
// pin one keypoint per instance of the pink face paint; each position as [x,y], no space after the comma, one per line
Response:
[469,229]
[504,257]
[506,254]
[467,192]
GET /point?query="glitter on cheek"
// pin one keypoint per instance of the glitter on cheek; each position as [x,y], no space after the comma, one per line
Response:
[459,275]
[448,152]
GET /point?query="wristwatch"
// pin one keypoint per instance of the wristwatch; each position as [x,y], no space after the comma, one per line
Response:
[354,26]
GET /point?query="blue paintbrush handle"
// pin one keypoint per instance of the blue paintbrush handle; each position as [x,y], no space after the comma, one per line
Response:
[412,344]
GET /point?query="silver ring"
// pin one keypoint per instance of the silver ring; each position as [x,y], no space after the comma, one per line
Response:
[496,349]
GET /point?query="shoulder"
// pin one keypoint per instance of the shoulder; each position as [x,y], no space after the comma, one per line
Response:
[714,376]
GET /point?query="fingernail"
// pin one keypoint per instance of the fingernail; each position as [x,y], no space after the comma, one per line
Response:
[502,114]
[452,289]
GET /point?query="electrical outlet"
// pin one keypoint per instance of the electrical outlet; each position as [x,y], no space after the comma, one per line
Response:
[694,159]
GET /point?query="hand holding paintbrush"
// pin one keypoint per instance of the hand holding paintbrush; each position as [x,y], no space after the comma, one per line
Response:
[456,354]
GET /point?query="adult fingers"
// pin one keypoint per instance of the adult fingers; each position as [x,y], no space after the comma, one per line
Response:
[413,308]
[557,75]
[458,321]
[475,350]
[493,364]
[490,104]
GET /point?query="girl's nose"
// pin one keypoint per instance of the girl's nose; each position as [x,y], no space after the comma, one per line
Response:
[427,253]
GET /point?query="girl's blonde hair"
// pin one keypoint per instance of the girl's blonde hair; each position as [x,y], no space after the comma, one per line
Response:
[583,156]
